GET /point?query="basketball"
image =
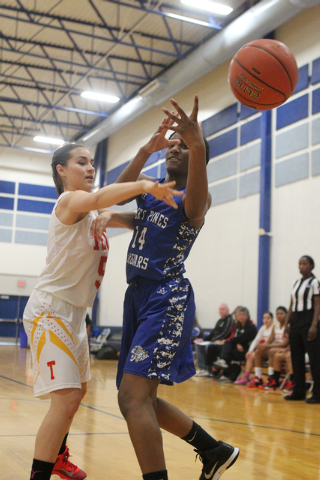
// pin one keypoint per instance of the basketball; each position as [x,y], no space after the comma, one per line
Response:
[263,74]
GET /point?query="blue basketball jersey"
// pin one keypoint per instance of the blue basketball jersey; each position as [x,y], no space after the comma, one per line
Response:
[161,241]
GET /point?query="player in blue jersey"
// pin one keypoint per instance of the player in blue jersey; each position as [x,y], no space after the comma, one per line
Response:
[159,306]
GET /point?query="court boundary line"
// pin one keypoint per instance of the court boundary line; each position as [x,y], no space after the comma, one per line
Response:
[191,416]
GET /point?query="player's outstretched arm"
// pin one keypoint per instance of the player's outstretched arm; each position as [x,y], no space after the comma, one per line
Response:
[197,198]
[72,206]
[157,142]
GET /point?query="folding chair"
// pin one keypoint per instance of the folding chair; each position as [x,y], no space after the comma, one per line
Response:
[97,343]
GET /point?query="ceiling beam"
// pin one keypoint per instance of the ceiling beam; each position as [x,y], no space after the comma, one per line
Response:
[56,107]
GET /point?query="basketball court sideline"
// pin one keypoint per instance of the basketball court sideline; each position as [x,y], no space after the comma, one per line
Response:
[277,440]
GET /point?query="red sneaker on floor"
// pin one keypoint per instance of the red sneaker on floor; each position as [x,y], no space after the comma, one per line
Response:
[265,385]
[255,382]
[273,385]
[66,470]
[288,387]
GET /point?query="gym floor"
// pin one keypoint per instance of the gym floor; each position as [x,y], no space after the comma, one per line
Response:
[277,440]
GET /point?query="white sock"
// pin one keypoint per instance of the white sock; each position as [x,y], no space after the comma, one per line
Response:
[270,371]
[258,372]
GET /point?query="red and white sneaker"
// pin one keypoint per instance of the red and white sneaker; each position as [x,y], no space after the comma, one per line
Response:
[273,385]
[255,382]
[288,387]
[265,386]
[65,469]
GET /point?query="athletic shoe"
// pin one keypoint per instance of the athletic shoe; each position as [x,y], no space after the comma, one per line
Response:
[288,386]
[217,461]
[217,375]
[66,470]
[273,385]
[265,385]
[313,400]
[242,381]
[221,364]
[224,379]
[294,396]
[255,382]
[201,373]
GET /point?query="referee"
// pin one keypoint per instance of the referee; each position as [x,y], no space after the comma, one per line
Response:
[303,317]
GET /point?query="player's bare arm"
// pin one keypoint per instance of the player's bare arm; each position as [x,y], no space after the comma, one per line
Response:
[197,199]
[74,207]
[156,143]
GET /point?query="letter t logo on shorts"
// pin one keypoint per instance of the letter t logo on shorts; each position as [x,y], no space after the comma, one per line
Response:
[50,365]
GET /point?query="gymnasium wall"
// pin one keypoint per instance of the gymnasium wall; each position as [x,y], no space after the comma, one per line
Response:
[26,199]
[223,265]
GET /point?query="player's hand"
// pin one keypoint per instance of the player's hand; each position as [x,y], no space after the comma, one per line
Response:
[99,224]
[158,140]
[163,191]
[187,127]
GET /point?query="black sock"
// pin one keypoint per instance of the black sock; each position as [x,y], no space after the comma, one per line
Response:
[276,376]
[63,445]
[41,470]
[200,439]
[160,475]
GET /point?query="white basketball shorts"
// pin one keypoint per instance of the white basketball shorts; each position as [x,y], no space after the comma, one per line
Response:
[59,344]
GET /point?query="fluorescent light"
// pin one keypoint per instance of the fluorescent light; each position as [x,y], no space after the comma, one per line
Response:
[101,97]
[188,19]
[51,140]
[208,6]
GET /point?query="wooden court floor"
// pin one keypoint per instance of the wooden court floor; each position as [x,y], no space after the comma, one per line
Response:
[277,440]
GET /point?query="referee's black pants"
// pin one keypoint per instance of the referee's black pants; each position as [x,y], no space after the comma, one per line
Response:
[300,323]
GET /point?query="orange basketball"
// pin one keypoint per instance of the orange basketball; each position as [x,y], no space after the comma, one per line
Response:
[263,74]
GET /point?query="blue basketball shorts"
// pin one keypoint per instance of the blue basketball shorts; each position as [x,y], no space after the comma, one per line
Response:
[157,324]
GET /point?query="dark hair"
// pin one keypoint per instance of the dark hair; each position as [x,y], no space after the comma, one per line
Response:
[269,313]
[206,144]
[245,310]
[282,308]
[61,157]
[310,260]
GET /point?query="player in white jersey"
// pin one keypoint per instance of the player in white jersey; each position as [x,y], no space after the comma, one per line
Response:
[280,344]
[262,338]
[54,318]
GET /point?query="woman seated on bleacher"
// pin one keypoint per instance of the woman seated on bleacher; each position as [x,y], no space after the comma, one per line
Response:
[234,350]
[272,336]
[278,357]
[262,338]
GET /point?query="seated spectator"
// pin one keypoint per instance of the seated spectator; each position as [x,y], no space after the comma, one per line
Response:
[262,338]
[234,350]
[214,349]
[281,355]
[280,346]
[214,339]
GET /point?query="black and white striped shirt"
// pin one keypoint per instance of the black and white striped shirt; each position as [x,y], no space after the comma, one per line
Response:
[303,292]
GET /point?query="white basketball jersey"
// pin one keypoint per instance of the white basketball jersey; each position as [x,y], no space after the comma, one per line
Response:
[75,262]
[278,333]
